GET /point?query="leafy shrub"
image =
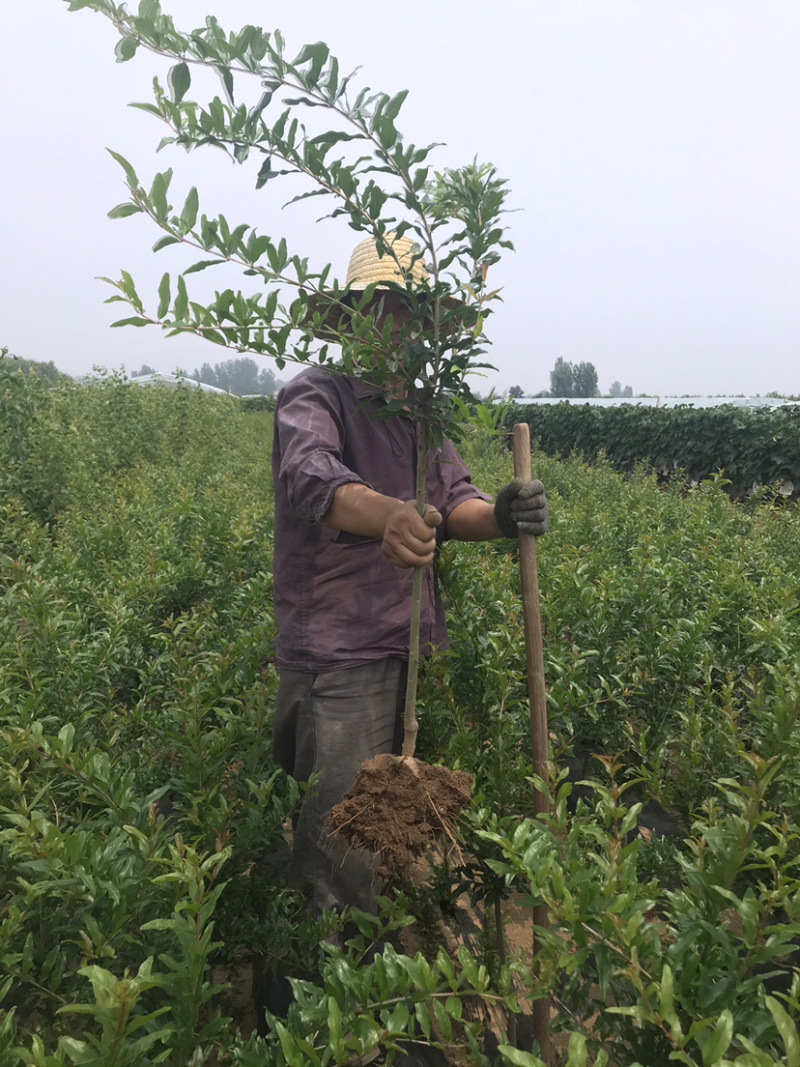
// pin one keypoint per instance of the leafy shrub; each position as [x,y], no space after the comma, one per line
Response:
[138,800]
[258,403]
[648,976]
[754,447]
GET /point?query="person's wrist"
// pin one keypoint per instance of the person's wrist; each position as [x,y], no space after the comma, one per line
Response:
[392,508]
[502,510]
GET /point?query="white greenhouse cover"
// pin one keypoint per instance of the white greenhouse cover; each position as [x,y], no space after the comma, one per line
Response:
[172,381]
[663,401]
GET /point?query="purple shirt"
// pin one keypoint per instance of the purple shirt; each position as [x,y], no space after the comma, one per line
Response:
[338,601]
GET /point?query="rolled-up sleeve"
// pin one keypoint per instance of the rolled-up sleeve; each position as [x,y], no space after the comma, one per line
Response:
[309,437]
[457,486]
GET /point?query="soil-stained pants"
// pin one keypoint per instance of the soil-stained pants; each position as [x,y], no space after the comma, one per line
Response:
[327,724]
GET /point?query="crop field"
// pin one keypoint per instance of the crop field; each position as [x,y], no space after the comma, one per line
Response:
[142,817]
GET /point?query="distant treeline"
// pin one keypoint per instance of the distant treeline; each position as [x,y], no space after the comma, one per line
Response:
[244,377]
[48,372]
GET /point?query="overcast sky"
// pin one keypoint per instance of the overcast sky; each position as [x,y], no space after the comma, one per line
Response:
[652,148]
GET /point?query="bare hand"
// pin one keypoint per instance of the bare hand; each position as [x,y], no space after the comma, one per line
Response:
[409,539]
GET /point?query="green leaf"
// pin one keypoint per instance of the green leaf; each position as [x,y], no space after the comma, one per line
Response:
[443,1019]
[316,54]
[332,84]
[334,1026]
[291,1052]
[160,924]
[121,211]
[577,1050]
[787,1030]
[130,173]
[453,1006]
[519,1058]
[392,109]
[666,1002]
[717,1044]
[66,735]
[265,173]
[135,321]
[333,137]
[158,195]
[179,79]
[163,296]
[151,109]
[227,82]
[255,113]
[304,101]
[387,134]
[202,264]
[634,1011]
[164,241]
[398,1020]
[423,1018]
[125,49]
[469,965]
[181,300]
[189,213]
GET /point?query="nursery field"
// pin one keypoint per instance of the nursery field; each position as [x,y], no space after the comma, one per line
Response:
[142,818]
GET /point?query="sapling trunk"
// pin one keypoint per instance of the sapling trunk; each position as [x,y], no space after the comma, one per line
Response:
[410,725]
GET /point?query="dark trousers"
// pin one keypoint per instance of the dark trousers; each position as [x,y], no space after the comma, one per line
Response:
[327,724]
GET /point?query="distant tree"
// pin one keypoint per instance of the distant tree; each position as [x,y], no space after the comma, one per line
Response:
[48,372]
[144,369]
[615,389]
[267,382]
[515,392]
[543,392]
[568,379]
[206,374]
[561,379]
[584,380]
[240,376]
[627,391]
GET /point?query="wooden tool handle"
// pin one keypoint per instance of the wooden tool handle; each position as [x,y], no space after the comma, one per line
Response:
[533,622]
[534,654]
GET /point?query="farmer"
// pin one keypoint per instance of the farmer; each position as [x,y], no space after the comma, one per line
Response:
[347,537]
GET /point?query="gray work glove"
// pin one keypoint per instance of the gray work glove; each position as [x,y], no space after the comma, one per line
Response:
[521,506]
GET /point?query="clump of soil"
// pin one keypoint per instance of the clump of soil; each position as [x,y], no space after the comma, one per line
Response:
[397,808]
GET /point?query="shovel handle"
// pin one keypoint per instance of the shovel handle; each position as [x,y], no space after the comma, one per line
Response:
[531,615]
[521,444]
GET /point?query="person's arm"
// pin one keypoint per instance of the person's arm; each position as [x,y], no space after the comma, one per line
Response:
[409,540]
[472,520]
[519,506]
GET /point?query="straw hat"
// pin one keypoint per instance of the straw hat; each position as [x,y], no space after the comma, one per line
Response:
[402,265]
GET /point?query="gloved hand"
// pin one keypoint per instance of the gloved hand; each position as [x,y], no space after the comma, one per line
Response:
[521,506]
